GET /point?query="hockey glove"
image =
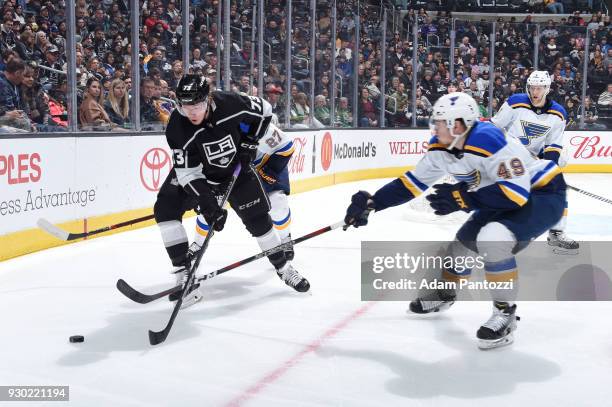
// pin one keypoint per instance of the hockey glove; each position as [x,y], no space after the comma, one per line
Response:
[215,217]
[267,176]
[358,211]
[449,198]
[247,151]
[209,208]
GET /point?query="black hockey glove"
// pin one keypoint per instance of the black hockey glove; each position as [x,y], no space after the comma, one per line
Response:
[209,208]
[449,198]
[217,216]
[247,151]
[358,211]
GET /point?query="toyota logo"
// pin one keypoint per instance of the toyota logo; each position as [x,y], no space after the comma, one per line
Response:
[153,169]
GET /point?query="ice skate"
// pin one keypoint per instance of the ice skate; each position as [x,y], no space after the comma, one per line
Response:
[498,330]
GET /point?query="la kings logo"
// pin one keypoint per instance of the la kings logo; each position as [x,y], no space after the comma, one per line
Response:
[220,153]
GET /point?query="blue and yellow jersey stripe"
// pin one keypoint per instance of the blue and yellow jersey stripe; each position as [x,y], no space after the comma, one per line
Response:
[284,223]
[513,192]
[287,150]
[412,184]
[202,228]
[504,270]
[544,176]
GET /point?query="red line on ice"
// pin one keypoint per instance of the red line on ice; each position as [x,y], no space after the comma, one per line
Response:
[277,373]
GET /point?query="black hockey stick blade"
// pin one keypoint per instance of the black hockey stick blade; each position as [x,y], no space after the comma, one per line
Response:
[157,337]
[142,298]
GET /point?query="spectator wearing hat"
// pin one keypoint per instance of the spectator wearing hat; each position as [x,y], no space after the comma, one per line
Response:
[52,60]
[272,95]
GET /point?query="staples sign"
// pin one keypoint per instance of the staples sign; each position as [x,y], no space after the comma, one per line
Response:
[20,168]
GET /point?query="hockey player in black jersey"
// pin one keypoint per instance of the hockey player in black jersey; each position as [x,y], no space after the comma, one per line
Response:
[209,133]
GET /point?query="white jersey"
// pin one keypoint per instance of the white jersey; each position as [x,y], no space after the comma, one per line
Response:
[540,130]
[274,142]
[497,168]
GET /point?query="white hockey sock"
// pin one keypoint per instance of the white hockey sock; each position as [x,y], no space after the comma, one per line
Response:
[280,214]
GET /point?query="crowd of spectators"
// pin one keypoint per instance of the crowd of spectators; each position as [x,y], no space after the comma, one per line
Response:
[33,83]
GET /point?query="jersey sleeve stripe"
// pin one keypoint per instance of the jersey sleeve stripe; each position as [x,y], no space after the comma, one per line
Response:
[286,153]
[423,187]
[544,176]
[414,190]
[262,161]
[478,151]
[551,148]
[515,197]
[286,147]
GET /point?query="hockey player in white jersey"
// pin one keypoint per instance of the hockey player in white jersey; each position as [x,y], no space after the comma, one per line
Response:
[513,198]
[273,154]
[538,123]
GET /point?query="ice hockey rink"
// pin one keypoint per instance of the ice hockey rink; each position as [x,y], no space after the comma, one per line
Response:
[255,342]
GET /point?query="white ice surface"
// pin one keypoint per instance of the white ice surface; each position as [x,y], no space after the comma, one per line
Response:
[255,342]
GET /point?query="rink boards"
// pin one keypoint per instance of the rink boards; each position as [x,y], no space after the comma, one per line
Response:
[86,182]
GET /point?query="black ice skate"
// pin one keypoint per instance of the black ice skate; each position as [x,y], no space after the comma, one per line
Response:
[498,330]
[292,278]
[435,301]
[561,243]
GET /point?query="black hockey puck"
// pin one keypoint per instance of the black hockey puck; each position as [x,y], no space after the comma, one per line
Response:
[77,338]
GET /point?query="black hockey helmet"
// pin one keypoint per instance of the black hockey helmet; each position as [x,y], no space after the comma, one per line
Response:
[191,90]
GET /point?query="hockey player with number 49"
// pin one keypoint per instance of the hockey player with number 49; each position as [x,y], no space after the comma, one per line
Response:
[209,134]
[513,198]
[539,123]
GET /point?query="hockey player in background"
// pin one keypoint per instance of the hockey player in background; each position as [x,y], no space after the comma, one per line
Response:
[513,198]
[538,122]
[273,154]
[209,133]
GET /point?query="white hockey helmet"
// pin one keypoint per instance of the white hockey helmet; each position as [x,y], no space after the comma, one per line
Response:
[454,106]
[539,78]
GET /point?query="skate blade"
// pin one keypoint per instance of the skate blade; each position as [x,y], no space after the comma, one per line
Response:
[564,252]
[188,302]
[441,308]
[485,344]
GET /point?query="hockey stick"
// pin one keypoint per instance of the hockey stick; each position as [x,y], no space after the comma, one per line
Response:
[592,195]
[157,337]
[61,234]
[143,298]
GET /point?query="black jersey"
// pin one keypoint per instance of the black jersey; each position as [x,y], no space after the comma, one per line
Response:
[210,150]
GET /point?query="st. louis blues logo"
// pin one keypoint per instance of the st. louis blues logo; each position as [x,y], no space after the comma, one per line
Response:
[533,131]
[472,178]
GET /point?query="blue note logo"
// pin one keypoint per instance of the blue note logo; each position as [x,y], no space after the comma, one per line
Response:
[532,131]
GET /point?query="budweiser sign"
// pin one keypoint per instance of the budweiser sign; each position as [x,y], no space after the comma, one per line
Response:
[590,147]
